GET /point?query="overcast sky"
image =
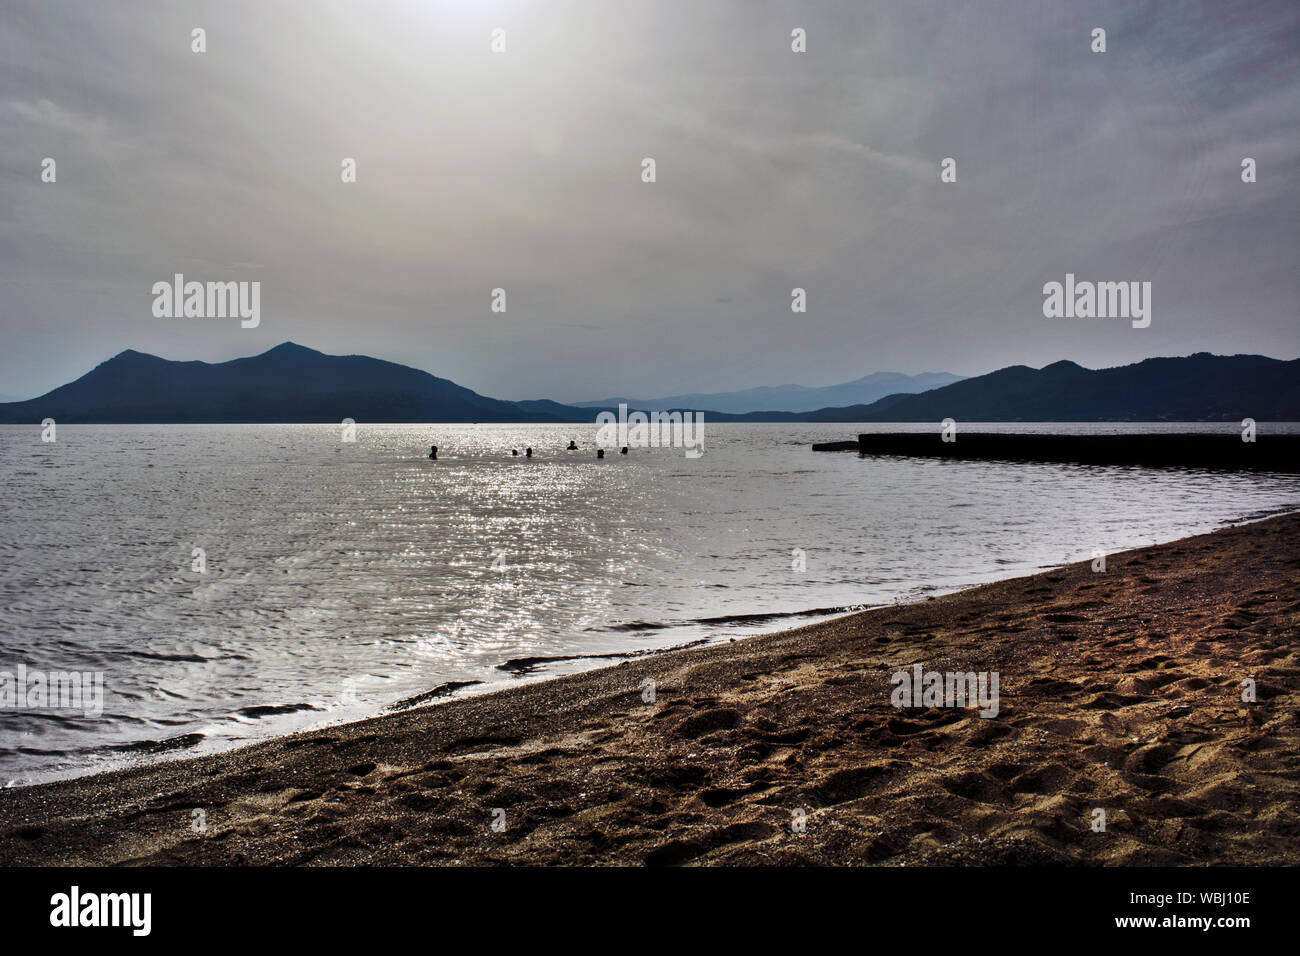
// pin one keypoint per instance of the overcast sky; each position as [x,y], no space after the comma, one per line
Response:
[522,170]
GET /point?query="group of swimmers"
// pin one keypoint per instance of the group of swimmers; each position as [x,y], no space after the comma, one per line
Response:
[528,452]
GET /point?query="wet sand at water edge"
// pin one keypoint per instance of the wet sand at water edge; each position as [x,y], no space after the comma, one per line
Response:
[1119,691]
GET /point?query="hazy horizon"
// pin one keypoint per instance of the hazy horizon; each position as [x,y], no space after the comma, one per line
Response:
[773,385]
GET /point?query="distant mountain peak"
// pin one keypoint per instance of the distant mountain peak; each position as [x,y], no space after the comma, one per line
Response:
[291,348]
[132,355]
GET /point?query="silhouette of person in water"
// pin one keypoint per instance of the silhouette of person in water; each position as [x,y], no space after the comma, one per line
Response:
[528,453]
[433,452]
[624,451]
[514,452]
[573,445]
[600,453]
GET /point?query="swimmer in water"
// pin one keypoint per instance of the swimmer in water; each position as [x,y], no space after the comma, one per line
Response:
[573,445]
[514,452]
[433,452]
[600,453]
[624,451]
[528,453]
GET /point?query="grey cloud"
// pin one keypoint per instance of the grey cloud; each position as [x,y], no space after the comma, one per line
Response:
[776,170]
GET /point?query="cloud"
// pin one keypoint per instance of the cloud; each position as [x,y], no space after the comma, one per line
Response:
[522,171]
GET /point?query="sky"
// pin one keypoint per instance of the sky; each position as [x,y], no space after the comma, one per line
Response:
[522,170]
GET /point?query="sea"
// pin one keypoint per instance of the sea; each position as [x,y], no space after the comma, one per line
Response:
[227,583]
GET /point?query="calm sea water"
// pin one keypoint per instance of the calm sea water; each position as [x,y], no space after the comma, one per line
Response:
[343,577]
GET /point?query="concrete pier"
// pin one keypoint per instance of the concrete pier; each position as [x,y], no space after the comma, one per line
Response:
[1227,451]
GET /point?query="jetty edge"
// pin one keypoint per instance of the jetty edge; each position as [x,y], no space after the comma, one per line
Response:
[1228,452]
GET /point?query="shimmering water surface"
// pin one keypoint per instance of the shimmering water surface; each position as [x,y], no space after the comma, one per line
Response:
[343,577]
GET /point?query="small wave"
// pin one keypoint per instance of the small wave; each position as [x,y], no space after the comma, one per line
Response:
[527,665]
[633,626]
[182,742]
[442,690]
[66,721]
[731,619]
[783,615]
[183,658]
[271,710]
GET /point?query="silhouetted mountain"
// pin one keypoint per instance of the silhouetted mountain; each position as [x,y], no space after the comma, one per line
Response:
[289,383]
[791,398]
[1200,387]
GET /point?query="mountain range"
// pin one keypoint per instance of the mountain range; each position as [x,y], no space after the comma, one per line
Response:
[291,383]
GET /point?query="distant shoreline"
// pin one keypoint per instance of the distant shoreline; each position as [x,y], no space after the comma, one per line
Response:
[1120,691]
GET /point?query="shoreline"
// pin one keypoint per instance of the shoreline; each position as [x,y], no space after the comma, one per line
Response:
[1118,693]
[140,754]
[147,752]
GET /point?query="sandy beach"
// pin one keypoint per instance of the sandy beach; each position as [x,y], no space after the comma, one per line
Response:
[1120,692]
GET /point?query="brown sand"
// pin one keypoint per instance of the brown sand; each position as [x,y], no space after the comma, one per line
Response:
[1119,691]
